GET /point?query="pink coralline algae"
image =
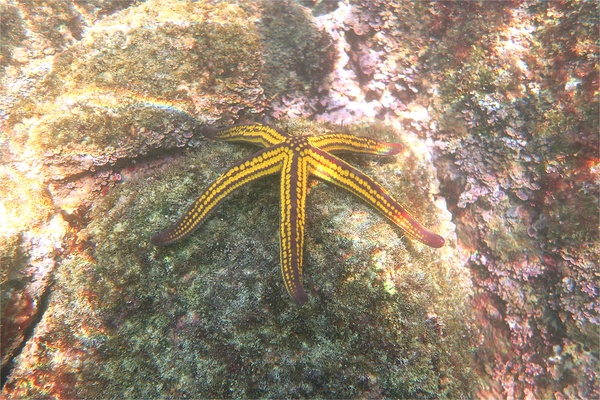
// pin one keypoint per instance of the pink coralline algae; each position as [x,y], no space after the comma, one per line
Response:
[372,70]
[507,95]
[534,259]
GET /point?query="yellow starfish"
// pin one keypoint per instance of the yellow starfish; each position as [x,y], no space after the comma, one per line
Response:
[296,157]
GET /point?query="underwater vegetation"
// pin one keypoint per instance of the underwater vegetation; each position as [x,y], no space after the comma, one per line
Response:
[509,101]
[520,153]
[79,109]
[209,315]
[99,132]
[495,105]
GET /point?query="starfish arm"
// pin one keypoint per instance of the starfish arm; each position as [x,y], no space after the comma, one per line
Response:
[265,162]
[342,142]
[331,169]
[259,134]
[294,178]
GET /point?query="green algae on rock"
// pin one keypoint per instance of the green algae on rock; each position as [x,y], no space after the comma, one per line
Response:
[112,96]
[297,54]
[508,93]
[13,32]
[83,92]
[518,138]
[209,316]
[144,78]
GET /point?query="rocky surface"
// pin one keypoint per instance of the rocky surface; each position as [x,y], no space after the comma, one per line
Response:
[518,161]
[509,100]
[210,316]
[100,101]
[93,90]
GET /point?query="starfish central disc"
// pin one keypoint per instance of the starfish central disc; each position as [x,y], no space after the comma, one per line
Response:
[296,158]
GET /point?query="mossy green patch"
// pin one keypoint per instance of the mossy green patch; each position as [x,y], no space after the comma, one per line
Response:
[12,32]
[140,80]
[209,316]
[298,55]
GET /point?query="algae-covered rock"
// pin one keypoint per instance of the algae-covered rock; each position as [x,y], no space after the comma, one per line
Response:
[145,77]
[90,89]
[113,96]
[298,55]
[31,238]
[519,162]
[507,93]
[12,32]
[209,316]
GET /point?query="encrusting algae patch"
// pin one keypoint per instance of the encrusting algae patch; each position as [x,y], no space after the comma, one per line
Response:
[91,93]
[209,316]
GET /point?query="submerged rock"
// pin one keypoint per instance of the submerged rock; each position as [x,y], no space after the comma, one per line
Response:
[209,316]
[505,95]
[110,96]
[91,93]
[31,240]
[144,78]
[508,94]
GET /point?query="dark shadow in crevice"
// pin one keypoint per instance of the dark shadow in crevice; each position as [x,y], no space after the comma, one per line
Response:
[28,334]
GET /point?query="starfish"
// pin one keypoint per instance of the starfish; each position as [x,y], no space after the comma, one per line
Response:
[296,158]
